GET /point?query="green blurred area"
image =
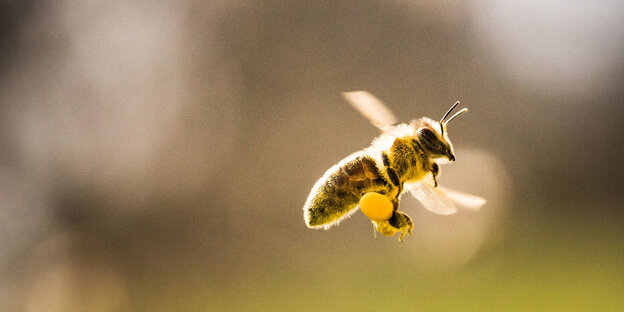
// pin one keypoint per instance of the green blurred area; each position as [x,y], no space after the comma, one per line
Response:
[545,268]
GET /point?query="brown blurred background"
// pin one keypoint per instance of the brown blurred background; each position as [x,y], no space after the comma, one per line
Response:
[155,156]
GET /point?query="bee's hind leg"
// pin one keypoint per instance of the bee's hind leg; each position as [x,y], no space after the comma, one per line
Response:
[399,222]
[402,222]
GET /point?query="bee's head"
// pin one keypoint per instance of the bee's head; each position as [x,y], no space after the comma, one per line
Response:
[433,137]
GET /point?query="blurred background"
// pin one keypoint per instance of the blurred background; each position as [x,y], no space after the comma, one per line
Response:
[155,156]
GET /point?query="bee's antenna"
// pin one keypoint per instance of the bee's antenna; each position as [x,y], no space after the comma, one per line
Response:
[456,114]
[449,111]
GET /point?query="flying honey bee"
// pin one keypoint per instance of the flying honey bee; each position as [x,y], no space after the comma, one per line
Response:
[404,158]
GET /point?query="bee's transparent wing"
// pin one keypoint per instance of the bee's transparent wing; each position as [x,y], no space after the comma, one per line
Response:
[372,108]
[433,199]
[464,200]
[442,200]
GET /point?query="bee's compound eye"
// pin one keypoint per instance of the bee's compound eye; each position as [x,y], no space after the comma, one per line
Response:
[376,207]
[426,134]
[431,142]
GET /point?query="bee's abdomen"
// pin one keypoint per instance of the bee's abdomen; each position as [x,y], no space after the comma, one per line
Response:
[339,190]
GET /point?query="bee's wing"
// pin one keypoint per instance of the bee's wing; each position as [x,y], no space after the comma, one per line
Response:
[442,200]
[464,200]
[433,199]
[372,108]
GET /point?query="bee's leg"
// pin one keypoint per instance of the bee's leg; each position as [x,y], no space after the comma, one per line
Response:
[392,174]
[395,204]
[435,171]
[402,222]
[399,222]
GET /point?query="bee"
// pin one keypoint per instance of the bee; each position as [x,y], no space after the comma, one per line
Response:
[405,158]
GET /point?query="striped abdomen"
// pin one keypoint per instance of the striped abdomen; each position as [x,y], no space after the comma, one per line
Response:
[339,190]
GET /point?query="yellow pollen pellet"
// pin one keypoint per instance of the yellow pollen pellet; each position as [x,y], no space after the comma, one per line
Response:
[376,207]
